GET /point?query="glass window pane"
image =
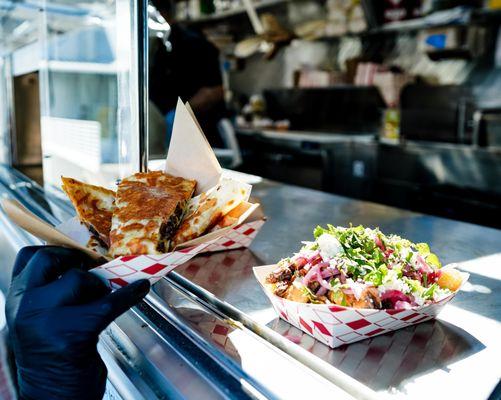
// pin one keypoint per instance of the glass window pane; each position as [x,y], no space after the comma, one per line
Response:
[81,94]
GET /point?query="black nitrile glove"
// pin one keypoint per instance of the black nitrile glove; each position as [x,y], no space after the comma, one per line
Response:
[55,312]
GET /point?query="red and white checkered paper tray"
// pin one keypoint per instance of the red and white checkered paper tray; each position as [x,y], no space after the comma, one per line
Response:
[126,269]
[238,237]
[336,325]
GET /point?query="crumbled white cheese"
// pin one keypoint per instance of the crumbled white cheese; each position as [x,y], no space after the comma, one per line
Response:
[418,299]
[392,282]
[404,252]
[356,287]
[329,246]
[440,293]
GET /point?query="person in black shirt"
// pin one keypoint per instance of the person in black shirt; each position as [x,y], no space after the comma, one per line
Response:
[190,71]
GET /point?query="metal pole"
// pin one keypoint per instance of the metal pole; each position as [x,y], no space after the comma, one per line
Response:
[254,19]
[142,80]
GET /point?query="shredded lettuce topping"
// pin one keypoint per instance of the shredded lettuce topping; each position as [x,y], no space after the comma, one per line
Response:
[361,267]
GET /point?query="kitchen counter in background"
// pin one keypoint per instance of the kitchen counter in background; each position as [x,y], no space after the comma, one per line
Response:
[452,180]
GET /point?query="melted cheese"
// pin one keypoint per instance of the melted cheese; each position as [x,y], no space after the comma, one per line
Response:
[208,209]
[149,207]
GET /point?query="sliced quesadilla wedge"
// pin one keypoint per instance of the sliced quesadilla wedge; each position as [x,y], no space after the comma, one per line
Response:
[149,208]
[94,206]
[232,217]
[208,208]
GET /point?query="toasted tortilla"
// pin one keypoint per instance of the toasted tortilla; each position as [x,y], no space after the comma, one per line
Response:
[207,209]
[94,206]
[149,208]
[232,217]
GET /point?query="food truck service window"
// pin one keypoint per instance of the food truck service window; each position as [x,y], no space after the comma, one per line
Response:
[71,77]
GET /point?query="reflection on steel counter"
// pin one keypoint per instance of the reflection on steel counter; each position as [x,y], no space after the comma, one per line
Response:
[382,362]
[211,328]
[228,342]
[431,359]
[388,360]
[222,272]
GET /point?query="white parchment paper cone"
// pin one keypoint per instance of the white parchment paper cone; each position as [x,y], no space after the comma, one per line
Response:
[190,155]
[256,213]
[335,325]
[75,230]
[190,110]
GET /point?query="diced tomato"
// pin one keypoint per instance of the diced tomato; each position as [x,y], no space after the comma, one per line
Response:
[450,279]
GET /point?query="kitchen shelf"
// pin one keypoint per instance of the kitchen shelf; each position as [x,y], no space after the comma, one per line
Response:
[479,16]
[81,67]
[232,12]
[475,15]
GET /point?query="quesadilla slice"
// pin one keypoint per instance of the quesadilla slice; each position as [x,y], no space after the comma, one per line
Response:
[207,209]
[94,206]
[232,217]
[149,208]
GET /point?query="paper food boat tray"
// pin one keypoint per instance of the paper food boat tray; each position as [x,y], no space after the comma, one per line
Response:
[126,269]
[335,325]
[240,236]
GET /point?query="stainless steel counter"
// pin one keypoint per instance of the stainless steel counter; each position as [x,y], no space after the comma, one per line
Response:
[171,347]
[208,330]
[455,356]
[305,136]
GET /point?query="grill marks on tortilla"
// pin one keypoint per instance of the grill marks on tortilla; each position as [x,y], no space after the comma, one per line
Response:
[94,206]
[149,209]
[144,215]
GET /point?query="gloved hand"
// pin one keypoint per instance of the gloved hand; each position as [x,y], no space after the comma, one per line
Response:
[55,311]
